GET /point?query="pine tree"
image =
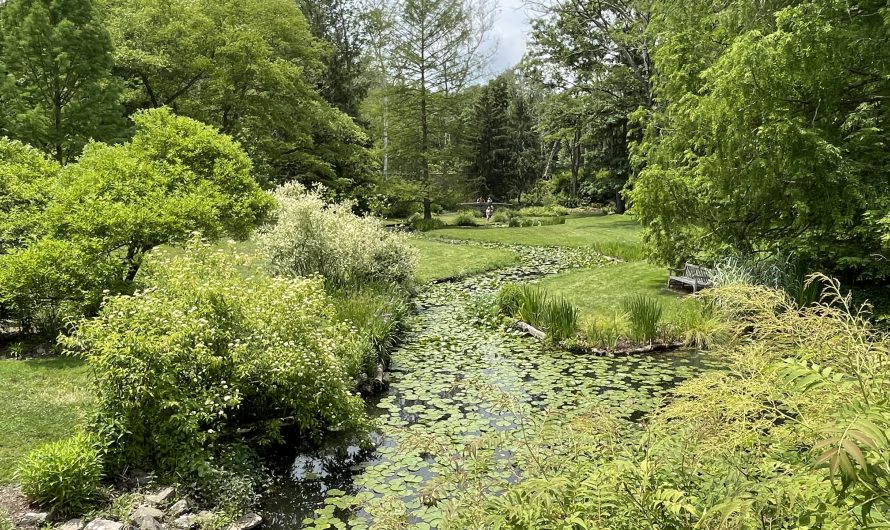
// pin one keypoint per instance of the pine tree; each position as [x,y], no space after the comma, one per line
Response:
[57,90]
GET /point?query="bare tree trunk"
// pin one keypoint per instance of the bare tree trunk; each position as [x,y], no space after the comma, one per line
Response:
[385,138]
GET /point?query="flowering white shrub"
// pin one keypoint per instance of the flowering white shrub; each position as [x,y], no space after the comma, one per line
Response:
[205,351]
[314,237]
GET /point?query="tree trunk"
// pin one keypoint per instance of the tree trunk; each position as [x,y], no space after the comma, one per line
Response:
[385,138]
[427,208]
[620,206]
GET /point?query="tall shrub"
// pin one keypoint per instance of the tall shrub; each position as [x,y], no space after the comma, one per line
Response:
[203,350]
[312,236]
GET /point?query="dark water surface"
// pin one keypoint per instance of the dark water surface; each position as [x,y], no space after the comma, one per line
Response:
[454,381]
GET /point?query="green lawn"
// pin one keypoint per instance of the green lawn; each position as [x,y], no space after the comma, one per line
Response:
[438,260]
[597,292]
[580,231]
[41,400]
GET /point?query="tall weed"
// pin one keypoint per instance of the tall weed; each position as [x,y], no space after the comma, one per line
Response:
[644,313]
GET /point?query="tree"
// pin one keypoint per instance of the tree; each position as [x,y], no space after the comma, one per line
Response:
[770,139]
[437,54]
[595,57]
[177,177]
[57,92]
[249,68]
[340,24]
[506,147]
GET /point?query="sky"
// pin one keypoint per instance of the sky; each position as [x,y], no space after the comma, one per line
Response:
[510,30]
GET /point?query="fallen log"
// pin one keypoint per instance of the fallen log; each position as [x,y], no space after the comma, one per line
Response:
[531,330]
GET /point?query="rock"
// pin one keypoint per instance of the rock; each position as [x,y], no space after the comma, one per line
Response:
[33,518]
[246,522]
[103,524]
[146,511]
[179,507]
[185,522]
[161,497]
[73,524]
[145,522]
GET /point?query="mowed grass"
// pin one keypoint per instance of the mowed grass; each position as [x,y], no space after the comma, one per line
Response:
[579,231]
[41,400]
[437,260]
[598,292]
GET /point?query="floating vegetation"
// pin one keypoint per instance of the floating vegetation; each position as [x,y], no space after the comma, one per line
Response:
[462,396]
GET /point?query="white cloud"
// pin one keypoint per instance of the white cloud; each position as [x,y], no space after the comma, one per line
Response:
[509,33]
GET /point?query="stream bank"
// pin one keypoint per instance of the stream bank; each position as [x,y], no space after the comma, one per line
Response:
[460,383]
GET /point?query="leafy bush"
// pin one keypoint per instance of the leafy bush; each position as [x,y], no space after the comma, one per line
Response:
[502,216]
[311,236]
[64,475]
[466,218]
[417,222]
[644,314]
[95,220]
[544,211]
[204,350]
[521,222]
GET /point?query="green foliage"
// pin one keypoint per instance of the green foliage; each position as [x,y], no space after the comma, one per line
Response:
[375,314]
[417,222]
[625,251]
[56,88]
[700,325]
[311,236]
[509,298]
[558,317]
[560,320]
[605,333]
[26,176]
[644,314]
[768,139]
[522,222]
[204,350]
[466,218]
[102,214]
[63,476]
[503,216]
[250,69]
[554,210]
[793,434]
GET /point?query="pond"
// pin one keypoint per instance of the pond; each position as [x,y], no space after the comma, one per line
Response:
[458,380]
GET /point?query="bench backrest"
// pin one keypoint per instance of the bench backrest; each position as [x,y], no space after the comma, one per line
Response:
[702,274]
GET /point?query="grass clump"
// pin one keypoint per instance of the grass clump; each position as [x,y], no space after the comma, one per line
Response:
[625,251]
[605,333]
[418,223]
[644,314]
[63,476]
[466,218]
[557,317]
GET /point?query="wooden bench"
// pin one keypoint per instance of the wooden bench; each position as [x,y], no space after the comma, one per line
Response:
[691,275]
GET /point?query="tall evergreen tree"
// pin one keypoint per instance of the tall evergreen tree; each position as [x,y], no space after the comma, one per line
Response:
[57,91]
